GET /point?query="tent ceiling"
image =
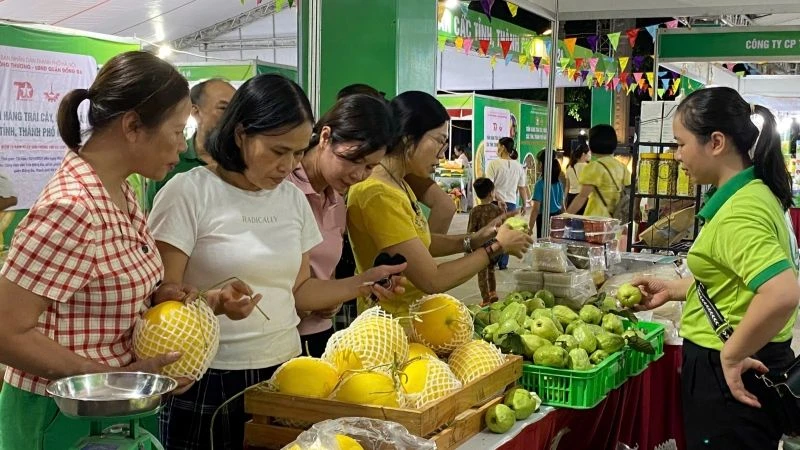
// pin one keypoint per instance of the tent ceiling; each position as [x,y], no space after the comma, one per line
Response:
[151,20]
[611,9]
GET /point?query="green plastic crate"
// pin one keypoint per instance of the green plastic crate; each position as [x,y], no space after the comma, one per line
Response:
[636,362]
[575,389]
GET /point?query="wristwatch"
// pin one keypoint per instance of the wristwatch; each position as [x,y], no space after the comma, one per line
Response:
[467,244]
[494,254]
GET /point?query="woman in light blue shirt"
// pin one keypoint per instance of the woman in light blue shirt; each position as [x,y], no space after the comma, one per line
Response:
[556,194]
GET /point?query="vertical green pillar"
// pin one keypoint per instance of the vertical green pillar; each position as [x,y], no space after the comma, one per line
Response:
[388,44]
[602,107]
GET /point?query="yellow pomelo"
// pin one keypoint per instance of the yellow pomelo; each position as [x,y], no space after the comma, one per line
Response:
[427,379]
[306,377]
[172,326]
[415,375]
[474,359]
[345,360]
[347,443]
[415,350]
[442,323]
[373,340]
[368,388]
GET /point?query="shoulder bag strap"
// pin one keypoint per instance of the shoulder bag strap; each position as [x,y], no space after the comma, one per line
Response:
[721,327]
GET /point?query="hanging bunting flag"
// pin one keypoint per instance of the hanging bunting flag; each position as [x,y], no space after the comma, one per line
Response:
[729,66]
[651,78]
[608,86]
[618,88]
[589,81]
[615,82]
[546,68]
[523,59]
[662,73]
[548,45]
[487,8]
[652,30]
[571,74]
[483,44]
[677,85]
[508,59]
[459,42]
[291,3]
[638,77]
[614,38]
[593,42]
[493,61]
[584,74]
[599,76]
[578,63]
[672,24]
[570,44]
[637,62]
[505,45]
[442,42]
[642,83]
[665,83]
[623,63]
[631,87]
[467,45]
[632,35]
[536,61]
[652,93]
[512,8]
[531,67]
[564,62]
[279,4]
[593,64]
[661,93]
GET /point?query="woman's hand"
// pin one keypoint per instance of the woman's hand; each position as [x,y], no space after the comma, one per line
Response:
[513,242]
[733,369]
[174,291]
[655,292]
[156,364]
[382,282]
[236,300]
[490,230]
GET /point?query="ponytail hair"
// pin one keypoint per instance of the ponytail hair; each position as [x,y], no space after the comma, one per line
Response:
[723,110]
[69,124]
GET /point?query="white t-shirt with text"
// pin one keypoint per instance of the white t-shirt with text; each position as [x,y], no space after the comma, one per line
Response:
[260,238]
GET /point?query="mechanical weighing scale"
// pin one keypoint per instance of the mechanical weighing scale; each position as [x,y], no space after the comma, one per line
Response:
[122,397]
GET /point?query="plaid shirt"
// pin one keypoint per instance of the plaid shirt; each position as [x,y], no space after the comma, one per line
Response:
[97,264]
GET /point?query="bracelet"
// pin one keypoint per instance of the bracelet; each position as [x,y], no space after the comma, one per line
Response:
[467,244]
[493,259]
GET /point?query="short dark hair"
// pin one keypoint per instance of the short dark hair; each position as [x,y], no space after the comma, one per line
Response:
[132,81]
[602,139]
[198,91]
[269,104]
[361,118]
[509,144]
[483,188]
[415,113]
[359,88]
[555,168]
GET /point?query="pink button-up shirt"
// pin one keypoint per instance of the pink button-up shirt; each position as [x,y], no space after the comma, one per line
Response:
[331,215]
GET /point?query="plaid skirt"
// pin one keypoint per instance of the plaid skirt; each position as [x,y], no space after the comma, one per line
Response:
[186,418]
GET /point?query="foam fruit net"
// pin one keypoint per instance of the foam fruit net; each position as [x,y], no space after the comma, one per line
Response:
[461,331]
[440,382]
[474,359]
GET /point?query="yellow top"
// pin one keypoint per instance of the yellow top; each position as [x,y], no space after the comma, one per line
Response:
[594,174]
[379,216]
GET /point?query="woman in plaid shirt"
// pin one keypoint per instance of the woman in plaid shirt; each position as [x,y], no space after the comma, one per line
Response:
[82,265]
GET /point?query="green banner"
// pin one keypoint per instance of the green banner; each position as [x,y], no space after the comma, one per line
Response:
[493,118]
[287,71]
[231,72]
[533,138]
[746,44]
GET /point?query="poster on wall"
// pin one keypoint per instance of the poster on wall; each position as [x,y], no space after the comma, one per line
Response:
[533,138]
[493,118]
[33,83]
[496,125]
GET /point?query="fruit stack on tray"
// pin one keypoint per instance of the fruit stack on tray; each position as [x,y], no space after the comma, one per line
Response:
[573,357]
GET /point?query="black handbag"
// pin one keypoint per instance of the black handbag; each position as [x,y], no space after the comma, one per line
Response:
[785,382]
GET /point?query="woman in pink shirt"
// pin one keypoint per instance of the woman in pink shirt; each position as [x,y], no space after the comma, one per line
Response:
[347,143]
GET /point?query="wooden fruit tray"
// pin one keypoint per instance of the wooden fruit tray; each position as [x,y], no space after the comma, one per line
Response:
[454,418]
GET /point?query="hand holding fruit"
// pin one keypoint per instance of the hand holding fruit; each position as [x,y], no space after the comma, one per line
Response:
[513,242]
[629,295]
[372,282]
[156,364]
[655,292]
[173,291]
[236,300]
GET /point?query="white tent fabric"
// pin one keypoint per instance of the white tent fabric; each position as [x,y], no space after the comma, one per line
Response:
[614,9]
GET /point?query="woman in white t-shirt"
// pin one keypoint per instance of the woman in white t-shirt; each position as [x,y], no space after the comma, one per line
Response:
[509,180]
[240,219]
[577,161]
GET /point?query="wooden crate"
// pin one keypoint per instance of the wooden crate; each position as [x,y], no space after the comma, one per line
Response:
[264,406]
[469,423]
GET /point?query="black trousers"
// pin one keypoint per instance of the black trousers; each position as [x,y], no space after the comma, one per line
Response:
[315,343]
[713,419]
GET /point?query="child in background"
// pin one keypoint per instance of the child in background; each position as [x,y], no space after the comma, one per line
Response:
[480,216]
[556,194]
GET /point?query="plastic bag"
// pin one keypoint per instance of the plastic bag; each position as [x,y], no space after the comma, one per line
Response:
[371,434]
[550,257]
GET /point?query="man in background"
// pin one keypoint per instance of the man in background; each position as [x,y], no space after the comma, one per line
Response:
[209,100]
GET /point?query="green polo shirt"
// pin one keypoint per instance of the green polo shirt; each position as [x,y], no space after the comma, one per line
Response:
[746,240]
[188,161]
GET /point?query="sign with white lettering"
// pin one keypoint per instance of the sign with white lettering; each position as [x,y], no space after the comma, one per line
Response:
[33,82]
[741,44]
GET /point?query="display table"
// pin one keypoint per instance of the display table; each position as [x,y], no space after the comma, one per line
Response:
[645,411]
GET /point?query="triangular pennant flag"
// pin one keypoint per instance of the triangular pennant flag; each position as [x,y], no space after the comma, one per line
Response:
[571,74]
[677,85]
[740,74]
[564,62]
[570,44]
[440,9]
[672,24]
[615,82]
[493,61]
[623,63]
[593,64]
[642,83]
[459,42]
[279,4]
[729,66]
[662,73]
[599,76]
[651,92]
[618,88]
[637,62]
[614,38]
[652,30]
[291,3]
[483,44]
[512,8]
[531,67]
[661,92]
[637,76]
[631,87]
[584,74]
[536,61]
[467,45]
[509,57]
[593,42]
[505,45]
[578,63]
[442,42]
[546,68]
[665,83]
[651,78]
[608,86]
[589,81]
[523,59]
[632,35]
[487,8]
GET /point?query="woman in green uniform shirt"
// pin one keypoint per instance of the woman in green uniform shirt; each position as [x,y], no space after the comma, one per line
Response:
[746,257]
